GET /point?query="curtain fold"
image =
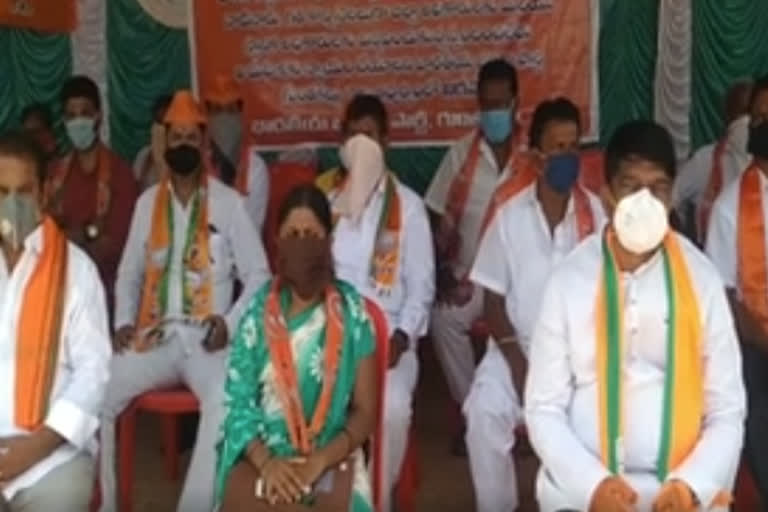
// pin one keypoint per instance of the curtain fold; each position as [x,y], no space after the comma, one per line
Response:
[673,73]
[32,68]
[89,51]
[627,60]
[145,60]
[730,43]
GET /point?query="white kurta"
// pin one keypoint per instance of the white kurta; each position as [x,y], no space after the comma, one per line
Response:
[406,306]
[235,248]
[82,368]
[450,324]
[694,175]
[722,237]
[561,400]
[516,257]
[257,200]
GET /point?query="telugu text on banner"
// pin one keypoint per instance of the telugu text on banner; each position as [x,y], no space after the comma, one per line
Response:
[300,62]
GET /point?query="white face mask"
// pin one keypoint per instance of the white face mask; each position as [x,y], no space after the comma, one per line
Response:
[227,132]
[640,222]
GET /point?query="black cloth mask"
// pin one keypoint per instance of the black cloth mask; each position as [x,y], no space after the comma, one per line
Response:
[183,159]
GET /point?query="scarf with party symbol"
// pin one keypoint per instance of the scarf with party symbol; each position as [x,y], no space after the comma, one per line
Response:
[197,280]
[302,433]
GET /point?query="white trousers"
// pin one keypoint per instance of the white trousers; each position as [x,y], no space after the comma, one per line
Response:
[449,330]
[177,362]
[398,411]
[492,411]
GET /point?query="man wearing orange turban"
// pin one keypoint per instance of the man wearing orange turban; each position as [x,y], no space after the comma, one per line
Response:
[235,162]
[190,241]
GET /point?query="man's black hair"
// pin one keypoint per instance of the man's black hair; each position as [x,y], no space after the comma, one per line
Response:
[81,87]
[367,105]
[498,69]
[23,146]
[559,109]
[640,140]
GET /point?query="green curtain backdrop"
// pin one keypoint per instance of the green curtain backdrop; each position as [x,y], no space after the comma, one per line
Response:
[145,60]
[627,61]
[730,42]
[33,67]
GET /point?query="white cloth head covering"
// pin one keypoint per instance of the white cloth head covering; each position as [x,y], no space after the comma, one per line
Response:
[364,160]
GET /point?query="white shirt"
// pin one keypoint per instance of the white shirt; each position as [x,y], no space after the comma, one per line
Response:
[235,248]
[487,178]
[693,178]
[722,237]
[518,253]
[82,368]
[408,304]
[561,398]
[256,201]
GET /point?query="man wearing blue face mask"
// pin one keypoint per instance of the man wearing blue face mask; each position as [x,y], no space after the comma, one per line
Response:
[458,199]
[91,191]
[532,229]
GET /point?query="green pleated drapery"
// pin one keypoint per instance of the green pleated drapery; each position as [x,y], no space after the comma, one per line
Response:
[33,66]
[145,60]
[627,61]
[730,42]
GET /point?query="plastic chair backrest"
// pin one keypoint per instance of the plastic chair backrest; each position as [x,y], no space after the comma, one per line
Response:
[381,330]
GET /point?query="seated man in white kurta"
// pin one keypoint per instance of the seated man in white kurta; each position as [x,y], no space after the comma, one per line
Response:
[383,246]
[634,398]
[535,226]
[54,347]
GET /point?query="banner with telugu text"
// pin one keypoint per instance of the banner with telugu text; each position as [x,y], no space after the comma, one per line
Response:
[300,62]
[42,15]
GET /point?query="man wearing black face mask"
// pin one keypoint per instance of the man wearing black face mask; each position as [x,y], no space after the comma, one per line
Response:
[190,240]
[736,243]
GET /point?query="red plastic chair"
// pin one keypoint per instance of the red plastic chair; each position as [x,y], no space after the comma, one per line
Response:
[408,482]
[169,404]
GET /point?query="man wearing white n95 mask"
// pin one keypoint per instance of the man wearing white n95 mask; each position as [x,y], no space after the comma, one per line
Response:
[634,398]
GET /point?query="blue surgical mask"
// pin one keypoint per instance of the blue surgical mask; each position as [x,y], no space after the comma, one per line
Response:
[496,125]
[562,171]
[81,132]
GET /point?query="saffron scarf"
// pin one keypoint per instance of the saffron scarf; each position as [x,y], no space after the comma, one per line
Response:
[458,193]
[683,402]
[55,185]
[302,433]
[752,272]
[39,330]
[197,293]
[385,258]
[714,186]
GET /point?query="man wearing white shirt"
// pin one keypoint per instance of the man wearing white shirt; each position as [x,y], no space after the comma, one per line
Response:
[534,228]
[235,162]
[382,244]
[736,244]
[714,166]
[54,347]
[190,240]
[459,197]
[634,398]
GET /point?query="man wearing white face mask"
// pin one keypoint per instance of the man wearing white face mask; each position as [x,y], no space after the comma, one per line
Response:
[536,223]
[634,398]
[91,191]
[714,166]
[382,244]
[236,163]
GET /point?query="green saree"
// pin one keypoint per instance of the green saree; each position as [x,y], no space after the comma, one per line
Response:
[254,409]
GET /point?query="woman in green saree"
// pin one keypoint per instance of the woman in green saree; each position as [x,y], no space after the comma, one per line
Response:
[301,388]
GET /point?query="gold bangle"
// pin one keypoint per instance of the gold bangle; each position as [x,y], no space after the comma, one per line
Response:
[507,340]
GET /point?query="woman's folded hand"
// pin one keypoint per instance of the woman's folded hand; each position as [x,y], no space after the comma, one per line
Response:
[309,469]
[282,481]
